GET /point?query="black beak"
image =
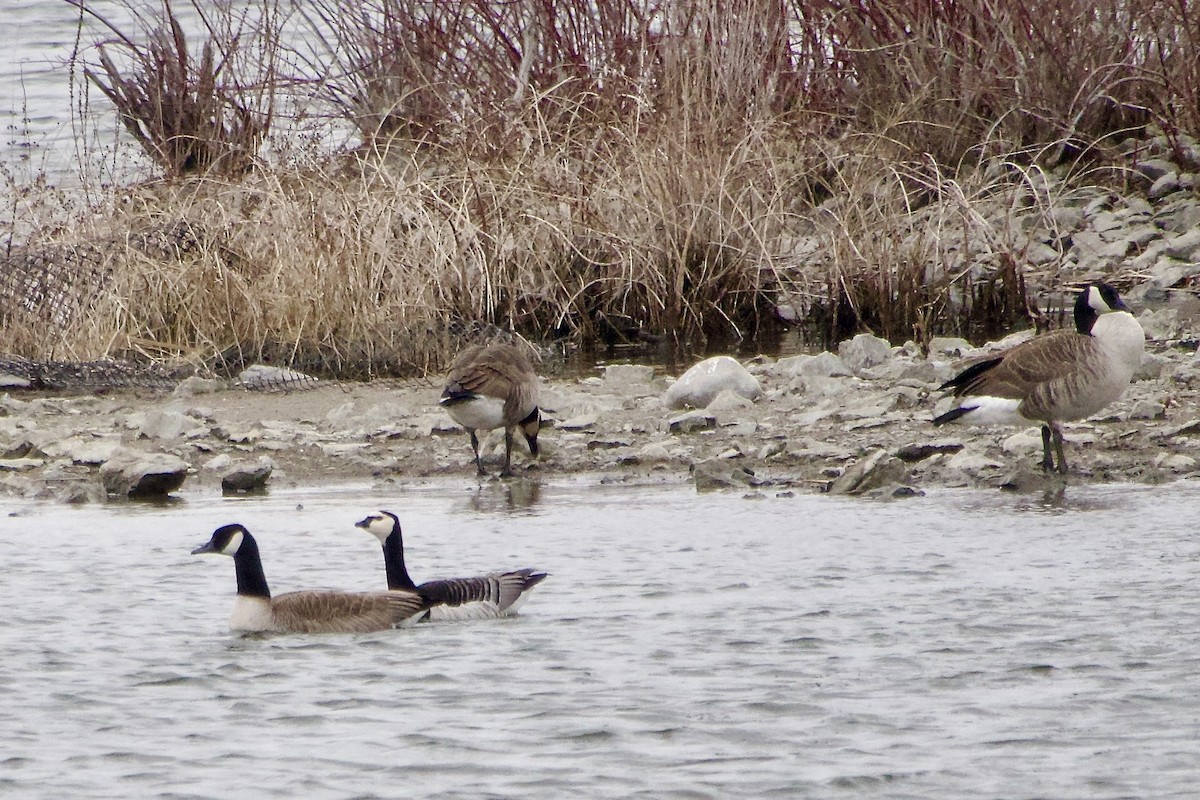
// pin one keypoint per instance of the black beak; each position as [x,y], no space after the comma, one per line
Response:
[207,547]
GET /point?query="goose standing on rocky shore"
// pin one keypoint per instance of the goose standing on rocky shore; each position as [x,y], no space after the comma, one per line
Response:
[497,594]
[1057,377]
[255,610]
[494,386]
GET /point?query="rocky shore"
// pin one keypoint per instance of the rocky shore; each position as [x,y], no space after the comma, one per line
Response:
[856,421]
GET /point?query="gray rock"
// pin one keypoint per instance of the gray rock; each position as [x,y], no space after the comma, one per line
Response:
[911,453]
[1067,218]
[1155,168]
[1024,479]
[168,425]
[972,462]
[654,452]
[1185,247]
[692,421]
[246,476]
[21,464]
[876,470]
[1178,216]
[949,346]
[1039,253]
[218,463]
[727,401]
[83,450]
[1147,409]
[620,375]
[1163,186]
[697,387]
[719,473]
[132,473]
[822,365]
[1153,366]
[864,351]
[1176,462]
[579,422]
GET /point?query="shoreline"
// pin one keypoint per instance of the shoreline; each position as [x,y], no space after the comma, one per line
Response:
[820,425]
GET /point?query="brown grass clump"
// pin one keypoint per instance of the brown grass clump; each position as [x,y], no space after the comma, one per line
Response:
[192,113]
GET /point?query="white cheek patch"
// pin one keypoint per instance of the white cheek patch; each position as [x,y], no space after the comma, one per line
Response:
[380,528]
[235,542]
[1096,300]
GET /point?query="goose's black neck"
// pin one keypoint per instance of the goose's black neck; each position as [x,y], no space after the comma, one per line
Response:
[1085,315]
[393,560]
[251,581]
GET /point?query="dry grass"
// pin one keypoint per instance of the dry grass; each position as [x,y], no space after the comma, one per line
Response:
[628,171]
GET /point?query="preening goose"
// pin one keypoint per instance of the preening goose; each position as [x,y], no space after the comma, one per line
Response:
[1057,377]
[496,594]
[494,386]
[255,610]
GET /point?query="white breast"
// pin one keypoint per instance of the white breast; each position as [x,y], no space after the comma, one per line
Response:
[1123,341]
[482,413]
[251,614]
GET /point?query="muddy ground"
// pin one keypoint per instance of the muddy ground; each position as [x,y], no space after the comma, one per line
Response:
[812,430]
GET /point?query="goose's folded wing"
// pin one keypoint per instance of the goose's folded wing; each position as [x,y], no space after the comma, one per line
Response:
[500,589]
[1015,372]
[344,612]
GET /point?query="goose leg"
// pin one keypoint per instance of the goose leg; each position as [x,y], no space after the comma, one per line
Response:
[1058,448]
[475,447]
[508,442]
[1047,459]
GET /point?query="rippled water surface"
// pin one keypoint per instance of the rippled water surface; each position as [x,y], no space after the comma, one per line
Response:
[961,644]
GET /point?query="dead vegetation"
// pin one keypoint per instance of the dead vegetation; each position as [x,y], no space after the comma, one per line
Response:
[664,172]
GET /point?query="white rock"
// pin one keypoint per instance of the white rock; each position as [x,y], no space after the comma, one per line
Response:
[699,385]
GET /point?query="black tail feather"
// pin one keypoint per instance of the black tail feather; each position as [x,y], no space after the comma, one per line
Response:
[953,414]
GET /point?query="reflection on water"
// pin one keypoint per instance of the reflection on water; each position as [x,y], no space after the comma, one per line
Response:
[959,644]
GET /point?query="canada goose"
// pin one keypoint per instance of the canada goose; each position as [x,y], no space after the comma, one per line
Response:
[1059,376]
[255,610]
[494,386]
[496,594]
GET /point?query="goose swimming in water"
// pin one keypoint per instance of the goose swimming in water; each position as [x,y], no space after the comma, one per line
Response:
[255,610]
[494,386]
[496,594]
[1056,377]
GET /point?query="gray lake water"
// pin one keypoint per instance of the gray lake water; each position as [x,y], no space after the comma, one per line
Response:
[960,644]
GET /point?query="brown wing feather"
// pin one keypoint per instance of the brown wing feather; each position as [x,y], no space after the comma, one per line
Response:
[1047,358]
[343,612]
